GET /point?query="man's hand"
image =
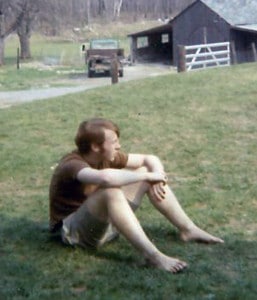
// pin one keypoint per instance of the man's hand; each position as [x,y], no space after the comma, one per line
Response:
[158,181]
[157,177]
[157,191]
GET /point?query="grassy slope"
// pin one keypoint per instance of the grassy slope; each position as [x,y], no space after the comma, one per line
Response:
[202,125]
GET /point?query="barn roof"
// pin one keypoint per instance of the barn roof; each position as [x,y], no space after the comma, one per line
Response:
[249,28]
[240,14]
[235,12]
[159,29]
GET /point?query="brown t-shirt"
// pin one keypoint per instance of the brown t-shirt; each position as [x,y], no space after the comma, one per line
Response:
[66,193]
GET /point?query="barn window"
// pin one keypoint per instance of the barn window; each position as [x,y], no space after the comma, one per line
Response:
[165,38]
[142,42]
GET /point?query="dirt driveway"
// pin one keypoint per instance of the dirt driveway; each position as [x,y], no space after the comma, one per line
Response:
[80,82]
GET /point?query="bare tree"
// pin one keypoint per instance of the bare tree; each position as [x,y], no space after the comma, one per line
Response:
[57,14]
[116,9]
[24,28]
[11,15]
[88,18]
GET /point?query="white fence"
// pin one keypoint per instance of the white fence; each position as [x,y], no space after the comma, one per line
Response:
[206,56]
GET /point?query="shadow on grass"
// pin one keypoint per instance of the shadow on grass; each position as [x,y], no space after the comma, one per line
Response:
[19,234]
[30,259]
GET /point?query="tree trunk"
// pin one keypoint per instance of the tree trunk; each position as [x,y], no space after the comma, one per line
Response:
[88,16]
[116,10]
[2,30]
[25,46]
[101,7]
[1,51]
[24,32]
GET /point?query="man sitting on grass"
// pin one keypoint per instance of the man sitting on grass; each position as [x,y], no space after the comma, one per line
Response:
[96,188]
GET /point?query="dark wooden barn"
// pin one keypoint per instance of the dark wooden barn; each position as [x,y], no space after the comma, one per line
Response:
[204,21]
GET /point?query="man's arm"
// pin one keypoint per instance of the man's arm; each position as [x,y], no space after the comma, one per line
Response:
[117,177]
[151,162]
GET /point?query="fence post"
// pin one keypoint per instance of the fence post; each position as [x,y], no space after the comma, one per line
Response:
[181,58]
[254,52]
[114,70]
[233,52]
[18,58]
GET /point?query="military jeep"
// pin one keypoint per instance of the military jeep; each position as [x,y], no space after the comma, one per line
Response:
[100,55]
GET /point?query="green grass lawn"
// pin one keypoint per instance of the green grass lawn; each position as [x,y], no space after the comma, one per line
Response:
[202,125]
[52,63]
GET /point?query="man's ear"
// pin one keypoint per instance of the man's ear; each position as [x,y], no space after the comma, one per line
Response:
[95,148]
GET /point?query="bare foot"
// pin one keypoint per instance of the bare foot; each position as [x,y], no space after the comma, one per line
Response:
[198,235]
[166,263]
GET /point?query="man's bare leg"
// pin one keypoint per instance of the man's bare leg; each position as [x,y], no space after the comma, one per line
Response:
[111,204]
[172,210]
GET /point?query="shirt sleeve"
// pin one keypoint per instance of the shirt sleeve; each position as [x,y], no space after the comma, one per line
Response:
[73,166]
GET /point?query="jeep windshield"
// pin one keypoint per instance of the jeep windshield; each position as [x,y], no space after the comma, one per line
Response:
[104,44]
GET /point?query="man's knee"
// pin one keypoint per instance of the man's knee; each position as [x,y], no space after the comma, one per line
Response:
[112,193]
[98,203]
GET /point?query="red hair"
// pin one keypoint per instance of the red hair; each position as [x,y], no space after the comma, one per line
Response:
[92,131]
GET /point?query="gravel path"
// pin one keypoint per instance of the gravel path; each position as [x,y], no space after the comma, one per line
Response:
[8,99]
